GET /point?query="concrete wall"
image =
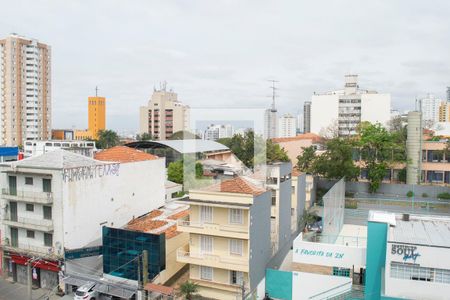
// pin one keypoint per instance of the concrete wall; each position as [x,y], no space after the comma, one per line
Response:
[324,111]
[389,189]
[376,108]
[260,246]
[110,200]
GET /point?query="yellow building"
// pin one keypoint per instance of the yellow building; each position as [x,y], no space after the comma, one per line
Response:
[96,115]
[96,119]
[444,112]
[229,242]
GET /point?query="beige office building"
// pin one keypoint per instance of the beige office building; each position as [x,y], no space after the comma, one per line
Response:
[25,85]
[164,115]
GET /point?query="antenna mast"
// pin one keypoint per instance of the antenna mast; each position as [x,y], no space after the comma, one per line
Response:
[274,88]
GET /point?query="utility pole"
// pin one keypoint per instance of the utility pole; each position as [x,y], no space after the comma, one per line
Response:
[144,270]
[29,279]
[243,289]
[140,287]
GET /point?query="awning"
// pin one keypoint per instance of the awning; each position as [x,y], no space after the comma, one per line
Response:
[40,264]
[74,281]
[113,291]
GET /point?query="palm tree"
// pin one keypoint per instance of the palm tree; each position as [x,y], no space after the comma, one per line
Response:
[188,289]
[107,139]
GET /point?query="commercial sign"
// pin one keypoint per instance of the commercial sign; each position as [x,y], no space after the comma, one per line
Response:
[332,255]
[407,252]
[83,252]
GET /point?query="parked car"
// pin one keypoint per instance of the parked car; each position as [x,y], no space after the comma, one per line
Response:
[86,292]
[316,226]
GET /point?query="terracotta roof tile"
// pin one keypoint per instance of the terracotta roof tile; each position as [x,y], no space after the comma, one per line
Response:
[179,215]
[123,154]
[236,185]
[146,225]
[161,289]
[305,136]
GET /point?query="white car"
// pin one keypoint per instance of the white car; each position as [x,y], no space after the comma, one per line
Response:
[86,292]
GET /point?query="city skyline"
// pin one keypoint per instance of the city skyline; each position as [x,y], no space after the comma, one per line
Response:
[127,60]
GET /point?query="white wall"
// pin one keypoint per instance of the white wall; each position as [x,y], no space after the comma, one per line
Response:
[331,255]
[137,189]
[324,111]
[430,257]
[308,285]
[376,108]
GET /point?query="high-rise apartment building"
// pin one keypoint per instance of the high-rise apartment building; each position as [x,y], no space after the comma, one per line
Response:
[25,85]
[300,123]
[444,112]
[215,132]
[287,126]
[164,115]
[343,110]
[307,117]
[271,121]
[430,108]
[448,94]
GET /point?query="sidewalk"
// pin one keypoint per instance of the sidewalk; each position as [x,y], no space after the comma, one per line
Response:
[17,291]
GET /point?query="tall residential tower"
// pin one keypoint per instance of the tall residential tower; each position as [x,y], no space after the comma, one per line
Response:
[25,85]
[164,115]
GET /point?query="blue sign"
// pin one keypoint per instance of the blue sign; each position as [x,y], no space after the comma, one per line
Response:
[83,252]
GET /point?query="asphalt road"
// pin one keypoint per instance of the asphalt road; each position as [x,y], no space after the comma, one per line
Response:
[17,291]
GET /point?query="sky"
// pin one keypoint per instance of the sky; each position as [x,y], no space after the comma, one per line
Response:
[219,53]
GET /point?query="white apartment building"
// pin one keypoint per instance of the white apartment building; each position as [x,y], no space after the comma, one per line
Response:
[300,123]
[164,115]
[59,201]
[25,90]
[270,123]
[430,109]
[215,132]
[343,110]
[33,148]
[287,126]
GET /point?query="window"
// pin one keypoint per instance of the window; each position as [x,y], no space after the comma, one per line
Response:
[236,247]
[48,239]
[206,244]
[29,180]
[414,272]
[274,197]
[47,212]
[236,216]
[344,272]
[206,273]
[206,214]
[293,190]
[236,277]
[29,207]
[30,234]
[47,185]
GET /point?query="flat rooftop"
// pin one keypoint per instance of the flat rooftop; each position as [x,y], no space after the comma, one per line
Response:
[421,230]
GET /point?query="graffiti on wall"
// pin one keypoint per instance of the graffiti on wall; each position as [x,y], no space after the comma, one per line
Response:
[90,172]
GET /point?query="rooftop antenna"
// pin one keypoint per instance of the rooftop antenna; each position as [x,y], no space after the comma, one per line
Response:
[96,91]
[273,94]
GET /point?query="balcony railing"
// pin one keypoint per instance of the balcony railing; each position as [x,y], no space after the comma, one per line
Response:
[33,224]
[227,262]
[28,196]
[216,228]
[27,247]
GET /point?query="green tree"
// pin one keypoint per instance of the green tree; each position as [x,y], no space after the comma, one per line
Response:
[337,161]
[305,161]
[188,289]
[379,150]
[107,139]
[244,148]
[175,171]
[183,135]
[144,137]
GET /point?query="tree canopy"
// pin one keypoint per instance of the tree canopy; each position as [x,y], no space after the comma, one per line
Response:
[183,135]
[244,148]
[107,139]
[144,137]
[175,171]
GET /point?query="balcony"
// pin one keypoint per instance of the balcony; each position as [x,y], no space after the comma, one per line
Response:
[230,231]
[214,261]
[27,248]
[31,224]
[28,196]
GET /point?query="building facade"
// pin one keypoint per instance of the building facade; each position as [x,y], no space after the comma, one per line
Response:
[25,85]
[229,228]
[34,148]
[430,109]
[96,115]
[164,115]
[48,204]
[342,111]
[307,117]
[287,126]
[270,123]
[444,112]
[215,132]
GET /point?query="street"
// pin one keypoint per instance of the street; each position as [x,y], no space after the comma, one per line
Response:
[17,291]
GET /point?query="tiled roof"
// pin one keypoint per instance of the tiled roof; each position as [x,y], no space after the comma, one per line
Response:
[179,215]
[305,136]
[57,159]
[146,224]
[160,289]
[236,185]
[123,154]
